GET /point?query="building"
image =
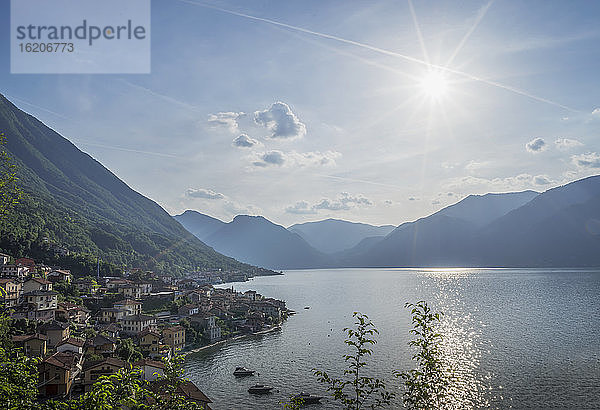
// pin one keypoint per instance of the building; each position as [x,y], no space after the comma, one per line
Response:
[32,345]
[71,344]
[133,307]
[186,389]
[149,341]
[57,372]
[86,285]
[4,259]
[188,310]
[112,315]
[174,337]
[59,275]
[101,345]
[209,325]
[41,305]
[131,291]
[14,272]
[36,284]
[71,312]
[152,369]
[27,262]
[11,292]
[134,324]
[55,331]
[93,370]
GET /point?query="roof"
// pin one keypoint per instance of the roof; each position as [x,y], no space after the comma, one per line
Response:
[64,360]
[147,332]
[72,341]
[40,280]
[41,293]
[128,302]
[100,340]
[149,363]
[25,338]
[139,318]
[112,361]
[4,281]
[185,388]
[174,328]
[54,325]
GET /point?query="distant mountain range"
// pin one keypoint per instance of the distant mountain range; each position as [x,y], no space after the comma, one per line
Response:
[335,235]
[74,202]
[557,228]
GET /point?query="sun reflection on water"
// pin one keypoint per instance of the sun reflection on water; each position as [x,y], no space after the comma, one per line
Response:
[462,344]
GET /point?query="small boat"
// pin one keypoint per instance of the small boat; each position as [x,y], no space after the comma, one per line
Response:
[242,372]
[260,389]
[306,307]
[305,398]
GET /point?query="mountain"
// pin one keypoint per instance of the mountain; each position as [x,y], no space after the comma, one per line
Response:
[258,241]
[560,227]
[483,209]
[335,235]
[72,201]
[202,226]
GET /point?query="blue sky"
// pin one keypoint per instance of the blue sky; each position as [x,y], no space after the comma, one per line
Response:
[303,110]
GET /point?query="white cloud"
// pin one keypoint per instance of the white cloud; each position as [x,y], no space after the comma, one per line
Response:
[596,111]
[343,202]
[470,184]
[476,165]
[536,145]
[203,193]
[300,208]
[567,143]
[226,120]
[295,159]
[281,121]
[588,160]
[244,141]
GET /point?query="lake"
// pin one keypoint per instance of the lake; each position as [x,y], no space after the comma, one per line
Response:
[518,338]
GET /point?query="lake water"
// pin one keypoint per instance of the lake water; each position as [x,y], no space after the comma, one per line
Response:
[518,338]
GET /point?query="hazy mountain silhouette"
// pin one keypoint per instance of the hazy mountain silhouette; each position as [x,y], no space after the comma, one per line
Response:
[202,226]
[335,235]
[256,240]
[560,227]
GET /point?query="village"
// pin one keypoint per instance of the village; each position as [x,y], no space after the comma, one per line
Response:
[83,327]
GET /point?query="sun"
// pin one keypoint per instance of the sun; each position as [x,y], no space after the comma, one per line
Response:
[434,85]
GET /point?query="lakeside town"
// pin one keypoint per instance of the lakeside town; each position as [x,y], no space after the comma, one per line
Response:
[83,327]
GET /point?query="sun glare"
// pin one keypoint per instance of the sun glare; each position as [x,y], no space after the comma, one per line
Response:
[434,85]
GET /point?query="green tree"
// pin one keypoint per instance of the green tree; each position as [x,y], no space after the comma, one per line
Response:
[10,193]
[427,386]
[356,391]
[128,351]
[18,373]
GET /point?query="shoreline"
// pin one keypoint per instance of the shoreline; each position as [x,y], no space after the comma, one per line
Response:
[224,341]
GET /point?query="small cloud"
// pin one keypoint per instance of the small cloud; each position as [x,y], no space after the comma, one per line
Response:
[476,165]
[541,180]
[450,194]
[226,120]
[344,202]
[412,198]
[203,193]
[567,143]
[588,160]
[536,145]
[435,202]
[596,111]
[281,121]
[295,159]
[300,208]
[244,141]
[388,202]
[236,209]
